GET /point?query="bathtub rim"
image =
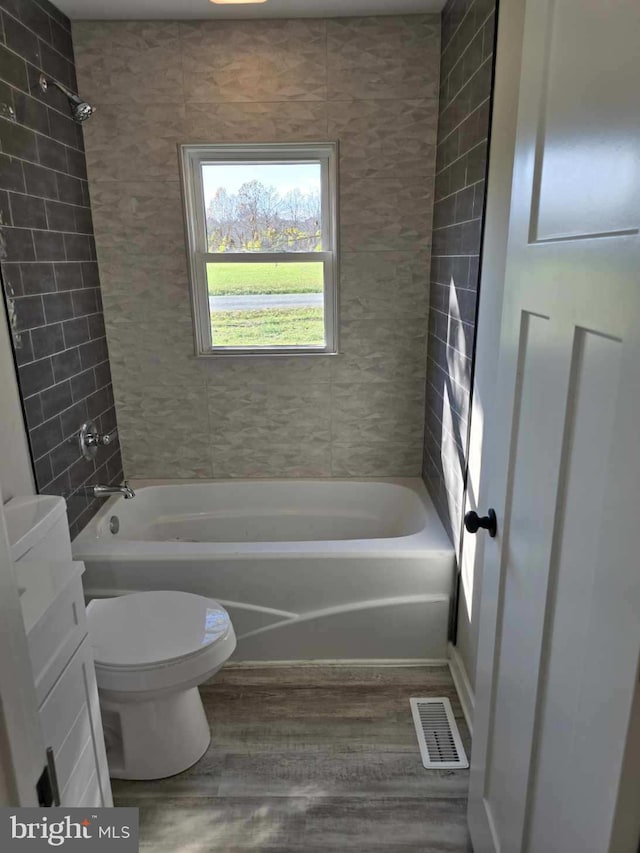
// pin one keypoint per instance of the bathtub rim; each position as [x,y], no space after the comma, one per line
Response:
[432,537]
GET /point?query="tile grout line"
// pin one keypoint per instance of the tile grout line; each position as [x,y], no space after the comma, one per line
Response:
[468,115]
[479,29]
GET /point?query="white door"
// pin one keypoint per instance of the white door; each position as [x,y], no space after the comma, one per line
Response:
[22,752]
[559,640]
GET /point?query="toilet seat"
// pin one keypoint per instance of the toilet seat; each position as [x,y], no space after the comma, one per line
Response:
[155,641]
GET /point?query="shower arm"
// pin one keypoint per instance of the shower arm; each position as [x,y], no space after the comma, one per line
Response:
[80,110]
[45,83]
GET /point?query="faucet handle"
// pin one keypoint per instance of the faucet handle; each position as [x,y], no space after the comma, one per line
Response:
[108,437]
[90,439]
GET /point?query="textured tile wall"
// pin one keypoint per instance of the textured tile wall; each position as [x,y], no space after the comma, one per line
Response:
[371,83]
[468,33]
[48,260]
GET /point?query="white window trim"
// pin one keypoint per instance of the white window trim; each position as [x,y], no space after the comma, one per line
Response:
[191,159]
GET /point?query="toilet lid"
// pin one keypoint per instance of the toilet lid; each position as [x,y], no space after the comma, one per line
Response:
[146,628]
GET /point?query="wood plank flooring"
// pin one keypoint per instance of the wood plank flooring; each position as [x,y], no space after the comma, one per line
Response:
[309,758]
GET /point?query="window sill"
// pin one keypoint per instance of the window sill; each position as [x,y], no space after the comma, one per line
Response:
[266,353]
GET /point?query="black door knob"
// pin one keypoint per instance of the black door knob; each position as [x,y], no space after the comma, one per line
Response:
[473,522]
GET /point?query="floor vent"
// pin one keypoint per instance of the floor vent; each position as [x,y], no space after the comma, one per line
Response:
[438,735]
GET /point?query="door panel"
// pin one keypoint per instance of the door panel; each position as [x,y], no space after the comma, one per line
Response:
[526,538]
[588,121]
[575,568]
[560,611]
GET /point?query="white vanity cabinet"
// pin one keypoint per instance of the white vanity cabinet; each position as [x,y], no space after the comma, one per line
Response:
[52,600]
[62,661]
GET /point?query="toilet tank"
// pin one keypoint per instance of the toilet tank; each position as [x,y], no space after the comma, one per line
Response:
[38,529]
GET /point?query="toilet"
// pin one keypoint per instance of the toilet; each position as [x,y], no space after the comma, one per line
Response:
[151,651]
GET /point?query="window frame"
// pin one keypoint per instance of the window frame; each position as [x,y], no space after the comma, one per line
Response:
[192,158]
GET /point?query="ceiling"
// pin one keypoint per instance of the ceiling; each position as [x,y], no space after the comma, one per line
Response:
[118,10]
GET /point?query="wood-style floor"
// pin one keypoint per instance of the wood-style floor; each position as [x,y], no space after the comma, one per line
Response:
[309,759]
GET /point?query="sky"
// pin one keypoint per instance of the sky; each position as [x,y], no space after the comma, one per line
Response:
[284,177]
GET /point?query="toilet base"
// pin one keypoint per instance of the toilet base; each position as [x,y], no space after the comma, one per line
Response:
[155,738]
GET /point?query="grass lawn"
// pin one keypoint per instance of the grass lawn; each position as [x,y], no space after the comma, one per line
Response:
[246,279]
[268,327]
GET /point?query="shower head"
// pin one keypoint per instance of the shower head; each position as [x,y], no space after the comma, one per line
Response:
[80,110]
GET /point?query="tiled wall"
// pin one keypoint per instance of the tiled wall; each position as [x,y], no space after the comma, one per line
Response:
[468,31]
[49,271]
[371,83]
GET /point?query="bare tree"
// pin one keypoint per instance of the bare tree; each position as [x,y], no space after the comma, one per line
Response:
[294,207]
[258,218]
[222,216]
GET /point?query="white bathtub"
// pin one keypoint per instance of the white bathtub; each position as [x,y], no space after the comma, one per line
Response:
[308,569]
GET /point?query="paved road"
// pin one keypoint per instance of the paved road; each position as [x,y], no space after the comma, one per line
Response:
[275,300]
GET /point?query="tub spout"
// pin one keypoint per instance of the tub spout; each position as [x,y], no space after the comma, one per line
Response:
[104,491]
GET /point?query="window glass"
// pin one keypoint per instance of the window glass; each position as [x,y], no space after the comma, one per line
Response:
[267,305]
[262,207]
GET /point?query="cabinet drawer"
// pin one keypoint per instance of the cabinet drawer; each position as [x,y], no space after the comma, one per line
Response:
[54,639]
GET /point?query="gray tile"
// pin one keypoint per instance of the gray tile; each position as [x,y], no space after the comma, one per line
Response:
[160,83]
[163,355]
[270,459]
[456,370]
[11,174]
[382,285]
[17,141]
[292,121]
[281,370]
[14,68]
[380,351]
[27,212]
[18,245]
[133,61]
[256,414]
[28,312]
[138,217]
[227,61]
[385,214]
[177,463]
[387,57]
[385,138]
[134,285]
[384,412]
[181,414]
[463,127]
[376,459]
[47,340]
[38,180]
[134,142]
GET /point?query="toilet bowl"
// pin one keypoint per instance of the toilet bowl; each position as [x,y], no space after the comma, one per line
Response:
[151,651]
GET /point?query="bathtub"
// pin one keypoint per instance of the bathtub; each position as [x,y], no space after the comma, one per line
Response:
[308,569]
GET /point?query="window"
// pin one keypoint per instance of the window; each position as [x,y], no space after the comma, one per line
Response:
[261,226]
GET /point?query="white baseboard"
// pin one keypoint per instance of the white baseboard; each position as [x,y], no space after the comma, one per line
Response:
[463,685]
